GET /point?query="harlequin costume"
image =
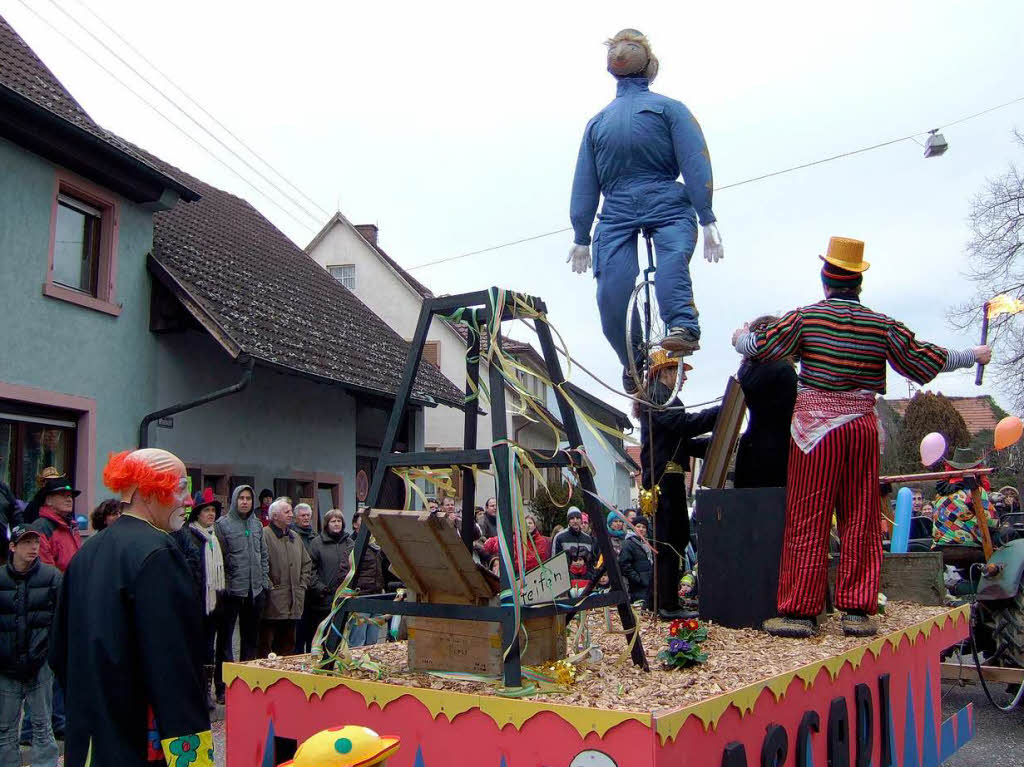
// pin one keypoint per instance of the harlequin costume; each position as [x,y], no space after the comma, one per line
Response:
[632,152]
[955,521]
[843,347]
[127,642]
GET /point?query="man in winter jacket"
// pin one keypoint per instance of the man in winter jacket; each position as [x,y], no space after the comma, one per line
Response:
[246,568]
[10,515]
[574,537]
[637,563]
[28,599]
[303,527]
[56,523]
[289,573]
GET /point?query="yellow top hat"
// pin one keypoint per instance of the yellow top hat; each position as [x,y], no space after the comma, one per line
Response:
[348,746]
[846,254]
[660,360]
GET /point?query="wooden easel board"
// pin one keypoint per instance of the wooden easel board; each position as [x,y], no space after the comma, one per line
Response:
[429,557]
[715,467]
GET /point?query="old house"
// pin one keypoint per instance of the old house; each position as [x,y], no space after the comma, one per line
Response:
[132,289]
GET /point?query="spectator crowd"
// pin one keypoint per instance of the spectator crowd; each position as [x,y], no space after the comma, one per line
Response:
[260,575]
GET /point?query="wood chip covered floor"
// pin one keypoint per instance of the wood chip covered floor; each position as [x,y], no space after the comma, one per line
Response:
[737,658]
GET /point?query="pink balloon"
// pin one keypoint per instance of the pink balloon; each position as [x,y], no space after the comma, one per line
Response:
[933,447]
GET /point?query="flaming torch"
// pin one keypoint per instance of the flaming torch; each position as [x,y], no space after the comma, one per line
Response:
[1001,304]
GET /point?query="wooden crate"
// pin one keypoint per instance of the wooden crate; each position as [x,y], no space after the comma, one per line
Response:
[436,644]
[912,577]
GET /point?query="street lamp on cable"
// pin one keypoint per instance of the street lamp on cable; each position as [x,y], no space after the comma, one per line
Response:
[936,144]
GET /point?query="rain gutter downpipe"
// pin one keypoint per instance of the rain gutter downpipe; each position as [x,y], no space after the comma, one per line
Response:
[183,406]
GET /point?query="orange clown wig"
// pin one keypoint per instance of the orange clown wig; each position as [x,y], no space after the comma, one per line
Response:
[152,472]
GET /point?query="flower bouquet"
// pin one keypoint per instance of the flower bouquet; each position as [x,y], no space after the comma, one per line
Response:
[684,640]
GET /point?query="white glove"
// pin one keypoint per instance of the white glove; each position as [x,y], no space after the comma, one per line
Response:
[579,255]
[713,250]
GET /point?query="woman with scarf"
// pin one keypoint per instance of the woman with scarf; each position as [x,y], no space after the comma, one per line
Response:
[205,510]
[843,347]
[616,530]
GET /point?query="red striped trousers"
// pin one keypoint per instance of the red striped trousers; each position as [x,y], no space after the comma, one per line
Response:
[839,475]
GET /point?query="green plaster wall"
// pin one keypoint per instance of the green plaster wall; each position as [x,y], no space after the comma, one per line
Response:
[50,344]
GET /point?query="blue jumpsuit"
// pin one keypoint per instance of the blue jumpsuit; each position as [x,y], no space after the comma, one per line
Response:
[632,152]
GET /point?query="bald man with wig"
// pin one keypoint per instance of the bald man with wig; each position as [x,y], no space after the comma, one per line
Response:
[127,641]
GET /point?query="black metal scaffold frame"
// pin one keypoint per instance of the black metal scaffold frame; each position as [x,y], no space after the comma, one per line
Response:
[470,456]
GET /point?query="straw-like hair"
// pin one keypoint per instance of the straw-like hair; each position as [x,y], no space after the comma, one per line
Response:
[126,470]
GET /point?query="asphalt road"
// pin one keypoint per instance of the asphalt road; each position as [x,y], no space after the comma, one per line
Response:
[999,737]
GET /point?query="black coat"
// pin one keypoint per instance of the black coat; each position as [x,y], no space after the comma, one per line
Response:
[636,568]
[128,636]
[185,538]
[675,436]
[330,566]
[27,603]
[769,389]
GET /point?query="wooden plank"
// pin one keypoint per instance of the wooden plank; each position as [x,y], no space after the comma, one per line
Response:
[720,450]
[455,564]
[912,577]
[968,673]
[399,564]
[545,640]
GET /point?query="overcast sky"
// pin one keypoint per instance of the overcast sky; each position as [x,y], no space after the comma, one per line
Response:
[455,126]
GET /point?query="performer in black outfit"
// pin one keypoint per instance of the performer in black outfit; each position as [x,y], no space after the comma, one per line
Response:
[673,438]
[769,389]
[127,640]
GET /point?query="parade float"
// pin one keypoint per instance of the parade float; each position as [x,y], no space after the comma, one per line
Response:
[516,671]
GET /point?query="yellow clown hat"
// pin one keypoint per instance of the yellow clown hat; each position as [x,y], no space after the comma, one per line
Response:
[348,746]
[846,253]
[660,360]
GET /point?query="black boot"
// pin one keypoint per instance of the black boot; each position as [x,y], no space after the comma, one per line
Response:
[211,702]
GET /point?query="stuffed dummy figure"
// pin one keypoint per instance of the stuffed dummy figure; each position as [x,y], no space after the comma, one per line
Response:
[632,153]
[348,746]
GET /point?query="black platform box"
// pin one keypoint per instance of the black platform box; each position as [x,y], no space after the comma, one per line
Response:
[739,544]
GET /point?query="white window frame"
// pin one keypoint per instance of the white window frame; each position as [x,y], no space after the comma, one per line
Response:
[346,274]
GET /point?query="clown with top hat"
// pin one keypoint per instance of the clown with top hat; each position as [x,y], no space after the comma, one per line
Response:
[843,347]
[632,153]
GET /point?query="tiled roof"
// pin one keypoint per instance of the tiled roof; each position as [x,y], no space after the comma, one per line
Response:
[978,412]
[275,302]
[24,73]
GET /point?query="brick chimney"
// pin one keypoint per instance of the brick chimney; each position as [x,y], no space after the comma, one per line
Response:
[368,232]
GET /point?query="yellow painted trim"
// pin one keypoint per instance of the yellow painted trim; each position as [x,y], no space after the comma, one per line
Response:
[669,723]
[503,711]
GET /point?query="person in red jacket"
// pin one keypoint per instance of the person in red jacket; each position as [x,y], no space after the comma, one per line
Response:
[541,543]
[56,523]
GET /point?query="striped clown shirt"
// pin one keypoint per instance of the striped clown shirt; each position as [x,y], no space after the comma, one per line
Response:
[843,346]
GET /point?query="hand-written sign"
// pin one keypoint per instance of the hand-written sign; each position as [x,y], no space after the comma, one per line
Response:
[545,582]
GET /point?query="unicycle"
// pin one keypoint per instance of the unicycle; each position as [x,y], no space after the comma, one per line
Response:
[645,330]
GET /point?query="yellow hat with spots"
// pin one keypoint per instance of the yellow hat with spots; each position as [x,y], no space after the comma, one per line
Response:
[348,746]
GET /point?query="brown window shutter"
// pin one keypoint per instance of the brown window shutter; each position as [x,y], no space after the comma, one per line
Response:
[431,353]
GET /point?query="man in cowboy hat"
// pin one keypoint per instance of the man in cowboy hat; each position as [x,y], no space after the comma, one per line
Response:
[632,153]
[956,523]
[55,500]
[843,347]
[670,438]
